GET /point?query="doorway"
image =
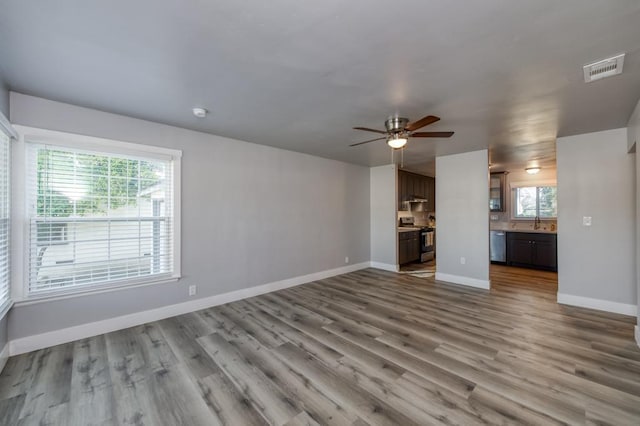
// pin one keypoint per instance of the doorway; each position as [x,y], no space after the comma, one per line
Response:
[523,229]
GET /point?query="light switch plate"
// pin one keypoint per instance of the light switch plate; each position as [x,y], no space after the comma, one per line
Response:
[586,221]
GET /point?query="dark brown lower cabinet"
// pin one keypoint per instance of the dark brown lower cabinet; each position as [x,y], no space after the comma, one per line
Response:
[532,250]
[408,246]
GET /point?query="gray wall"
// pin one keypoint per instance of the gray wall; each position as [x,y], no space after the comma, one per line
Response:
[462,191]
[633,128]
[4,332]
[596,177]
[633,134]
[384,239]
[4,99]
[251,214]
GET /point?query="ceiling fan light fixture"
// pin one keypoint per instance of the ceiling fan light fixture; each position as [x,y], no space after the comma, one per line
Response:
[399,129]
[397,141]
[533,170]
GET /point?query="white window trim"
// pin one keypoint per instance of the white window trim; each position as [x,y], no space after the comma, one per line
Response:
[5,308]
[20,223]
[6,127]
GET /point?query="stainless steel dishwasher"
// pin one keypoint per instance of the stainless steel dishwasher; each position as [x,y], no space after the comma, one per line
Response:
[498,246]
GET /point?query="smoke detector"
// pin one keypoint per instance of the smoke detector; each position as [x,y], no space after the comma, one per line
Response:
[604,68]
[200,112]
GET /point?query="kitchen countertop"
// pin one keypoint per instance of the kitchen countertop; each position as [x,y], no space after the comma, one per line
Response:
[528,231]
[407,229]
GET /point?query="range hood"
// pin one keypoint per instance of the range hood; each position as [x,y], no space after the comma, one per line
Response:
[418,200]
[416,203]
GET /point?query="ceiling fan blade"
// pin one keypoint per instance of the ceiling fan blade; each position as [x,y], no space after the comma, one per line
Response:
[424,121]
[432,134]
[372,140]
[382,132]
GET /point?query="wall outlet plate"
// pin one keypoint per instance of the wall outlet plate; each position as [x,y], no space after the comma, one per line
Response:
[463,260]
[192,290]
[586,221]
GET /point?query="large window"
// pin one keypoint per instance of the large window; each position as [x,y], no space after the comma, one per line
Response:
[99,217]
[535,201]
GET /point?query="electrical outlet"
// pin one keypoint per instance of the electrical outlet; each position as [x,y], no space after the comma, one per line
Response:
[346,259]
[192,290]
[586,221]
[463,260]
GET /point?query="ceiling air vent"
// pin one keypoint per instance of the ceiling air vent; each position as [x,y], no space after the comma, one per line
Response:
[604,68]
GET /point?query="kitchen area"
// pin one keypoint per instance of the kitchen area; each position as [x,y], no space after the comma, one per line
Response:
[416,223]
[523,223]
[523,227]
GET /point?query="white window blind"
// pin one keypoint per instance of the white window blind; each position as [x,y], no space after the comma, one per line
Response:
[5,161]
[97,218]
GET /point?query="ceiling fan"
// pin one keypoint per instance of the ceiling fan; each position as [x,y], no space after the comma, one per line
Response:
[399,129]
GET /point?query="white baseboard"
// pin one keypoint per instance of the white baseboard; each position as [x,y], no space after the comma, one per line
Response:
[57,337]
[599,304]
[4,356]
[458,279]
[384,266]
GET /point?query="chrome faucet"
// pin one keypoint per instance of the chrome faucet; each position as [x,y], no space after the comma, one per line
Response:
[536,224]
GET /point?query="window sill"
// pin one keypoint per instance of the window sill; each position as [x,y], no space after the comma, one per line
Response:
[89,291]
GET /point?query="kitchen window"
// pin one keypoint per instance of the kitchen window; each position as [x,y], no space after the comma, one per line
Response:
[535,201]
[99,214]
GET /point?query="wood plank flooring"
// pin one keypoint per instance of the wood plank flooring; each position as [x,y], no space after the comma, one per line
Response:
[369,347]
[524,281]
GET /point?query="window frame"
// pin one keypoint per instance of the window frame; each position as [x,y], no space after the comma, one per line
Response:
[10,132]
[537,186]
[20,226]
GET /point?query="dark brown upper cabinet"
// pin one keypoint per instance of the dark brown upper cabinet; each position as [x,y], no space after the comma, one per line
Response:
[413,185]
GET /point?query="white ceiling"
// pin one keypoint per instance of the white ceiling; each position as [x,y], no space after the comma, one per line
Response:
[298,75]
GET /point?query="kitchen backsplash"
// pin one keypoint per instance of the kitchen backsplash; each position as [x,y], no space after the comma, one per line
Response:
[524,225]
[421,218]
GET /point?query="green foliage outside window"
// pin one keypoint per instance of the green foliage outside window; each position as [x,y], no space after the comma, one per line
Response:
[533,201]
[82,184]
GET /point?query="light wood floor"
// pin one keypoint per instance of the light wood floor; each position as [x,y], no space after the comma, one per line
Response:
[417,266]
[369,347]
[524,281]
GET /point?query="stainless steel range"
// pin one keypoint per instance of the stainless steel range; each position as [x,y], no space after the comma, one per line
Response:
[427,238]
